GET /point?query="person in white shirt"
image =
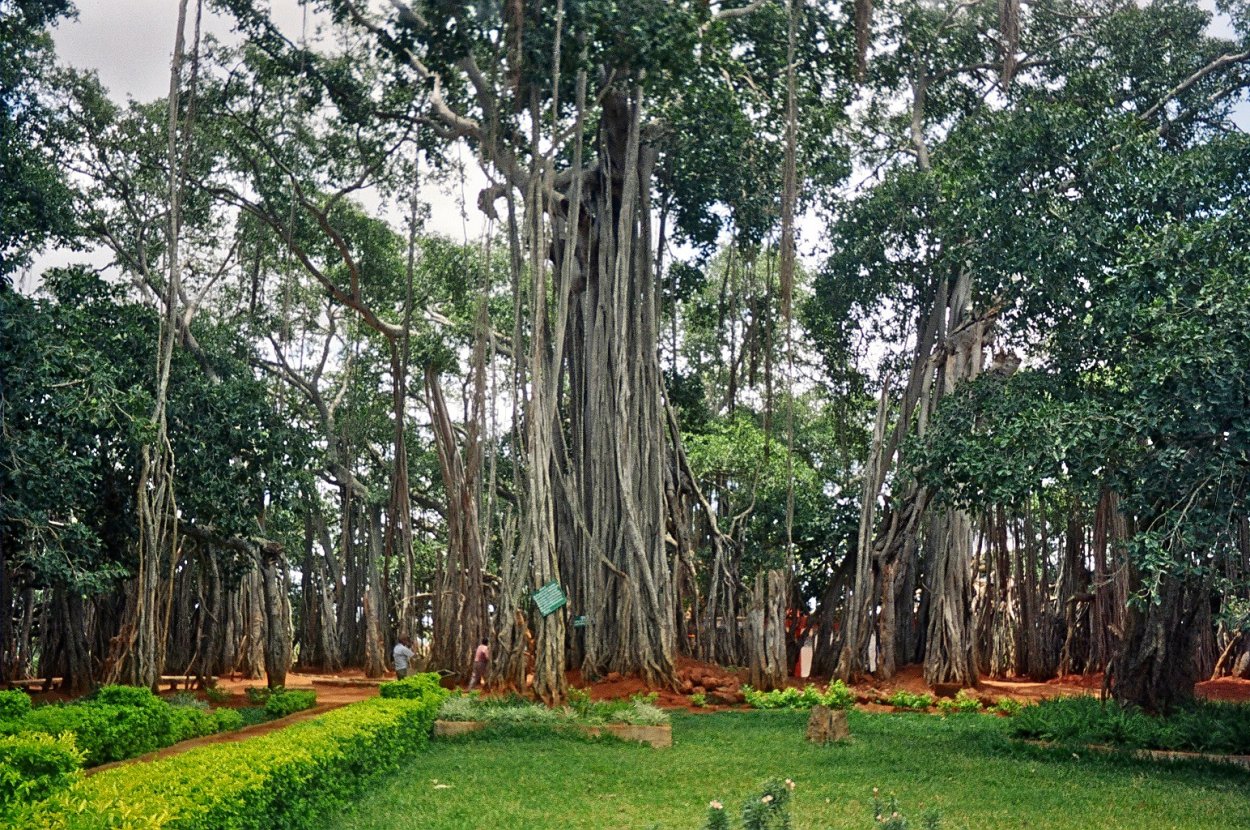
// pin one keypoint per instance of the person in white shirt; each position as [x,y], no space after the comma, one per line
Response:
[401,655]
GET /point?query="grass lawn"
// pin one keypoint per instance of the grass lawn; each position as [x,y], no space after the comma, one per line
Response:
[963,765]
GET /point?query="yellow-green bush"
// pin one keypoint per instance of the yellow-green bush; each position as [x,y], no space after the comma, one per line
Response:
[414,686]
[288,779]
[33,767]
[14,704]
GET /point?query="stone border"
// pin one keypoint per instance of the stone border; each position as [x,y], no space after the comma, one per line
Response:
[656,736]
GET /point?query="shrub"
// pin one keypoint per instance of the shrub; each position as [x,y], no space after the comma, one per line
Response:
[115,723]
[963,702]
[1203,726]
[283,703]
[1008,706]
[837,695]
[413,687]
[33,767]
[908,700]
[14,704]
[217,695]
[186,722]
[227,720]
[288,779]
[124,696]
[259,695]
[698,699]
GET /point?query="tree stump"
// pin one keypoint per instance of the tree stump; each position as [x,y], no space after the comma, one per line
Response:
[827,725]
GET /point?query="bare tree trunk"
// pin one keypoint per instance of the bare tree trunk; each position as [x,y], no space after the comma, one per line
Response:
[766,630]
[273,572]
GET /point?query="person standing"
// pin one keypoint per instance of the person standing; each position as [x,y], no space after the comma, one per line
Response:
[481,659]
[401,655]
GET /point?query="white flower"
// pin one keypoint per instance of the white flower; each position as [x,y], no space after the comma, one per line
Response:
[789,784]
[766,799]
[716,805]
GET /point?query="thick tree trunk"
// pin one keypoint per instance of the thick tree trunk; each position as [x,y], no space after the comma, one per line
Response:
[273,572]
[1155,666]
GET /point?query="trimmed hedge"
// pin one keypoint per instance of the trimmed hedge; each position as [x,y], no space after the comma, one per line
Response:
[33,767]
[287,779]
[412,687]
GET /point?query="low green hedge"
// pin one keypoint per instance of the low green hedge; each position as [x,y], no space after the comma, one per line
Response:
[33,767]
[412,687]
[287,779]
[115,723]
[282,703]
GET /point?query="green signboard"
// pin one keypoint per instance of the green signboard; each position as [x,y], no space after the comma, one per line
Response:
[579,621]
[549,598]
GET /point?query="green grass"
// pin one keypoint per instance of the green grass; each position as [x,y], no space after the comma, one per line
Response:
[964,765]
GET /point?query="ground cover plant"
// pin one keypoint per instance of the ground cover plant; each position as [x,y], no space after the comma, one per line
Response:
[968,769]
[1202,726]
[288,778]
[837,695]
[964,702]
[910,700]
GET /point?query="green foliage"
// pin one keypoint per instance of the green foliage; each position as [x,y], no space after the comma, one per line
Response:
[837,695]
[33,767]
[218,695]
[259,695]
[888,816]
[125,696]
[103,731]
[515,710]
[119,722]
[1202,726]
[1008,706]
[14,704]
[186,722]
[285,702]
[35,201]
[698,699]
[228,720]
[963,702]
[769,809]
[902,699]
[286,779]
[414,687]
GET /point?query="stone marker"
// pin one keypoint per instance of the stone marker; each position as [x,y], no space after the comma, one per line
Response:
[827,724]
